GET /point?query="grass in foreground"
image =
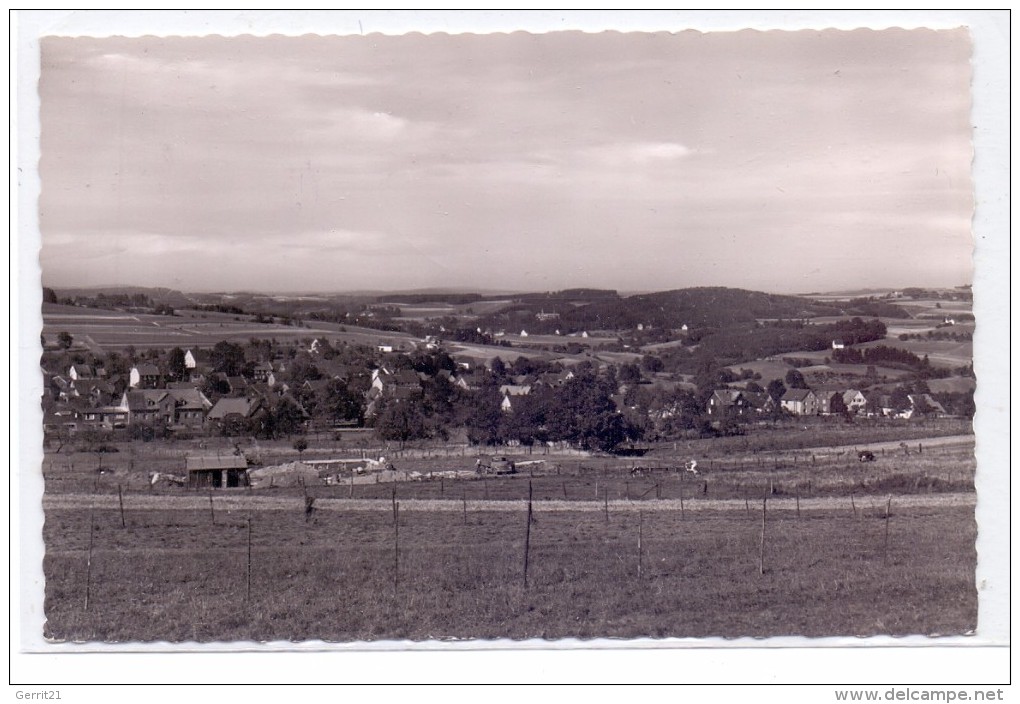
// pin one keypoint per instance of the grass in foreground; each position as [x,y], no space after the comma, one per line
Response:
[176,576]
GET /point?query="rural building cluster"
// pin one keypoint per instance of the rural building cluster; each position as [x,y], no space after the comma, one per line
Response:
[271,390]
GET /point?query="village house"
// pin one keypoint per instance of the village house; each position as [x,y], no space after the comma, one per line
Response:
[723,401]
[261,371]
[190,407]
[80,372]
[854,400]
[386,382]
[800,402]
[508,392]
[189,360]
[738,402]
[148,407]
[144,376]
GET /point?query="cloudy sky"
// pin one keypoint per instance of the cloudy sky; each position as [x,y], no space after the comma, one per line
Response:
[779,161]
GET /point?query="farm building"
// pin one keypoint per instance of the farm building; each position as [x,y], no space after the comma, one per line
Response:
[217,472]
[106,416]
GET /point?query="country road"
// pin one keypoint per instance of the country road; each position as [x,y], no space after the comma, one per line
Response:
[282,503]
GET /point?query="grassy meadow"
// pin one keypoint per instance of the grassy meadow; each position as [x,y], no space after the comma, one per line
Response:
[178,576]
[618,548]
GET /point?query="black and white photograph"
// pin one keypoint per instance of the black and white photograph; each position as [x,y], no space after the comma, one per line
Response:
[452,337]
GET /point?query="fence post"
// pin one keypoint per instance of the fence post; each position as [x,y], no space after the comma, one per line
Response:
[88,560]
[396,543]
[120,499]
[885,544]
[212,510]
[248,591]
[761,549]
[527,539]
[640,529]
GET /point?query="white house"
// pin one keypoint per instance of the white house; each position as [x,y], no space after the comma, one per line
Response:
[189,360]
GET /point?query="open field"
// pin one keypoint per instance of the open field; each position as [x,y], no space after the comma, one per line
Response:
[112,330]
[945,353]
[350,575]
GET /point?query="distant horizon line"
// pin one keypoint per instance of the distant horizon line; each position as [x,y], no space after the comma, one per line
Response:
[455,290]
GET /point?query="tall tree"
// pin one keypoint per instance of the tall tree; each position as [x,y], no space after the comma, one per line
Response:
[175,364]
[228,358]
[776,389]
[796,380]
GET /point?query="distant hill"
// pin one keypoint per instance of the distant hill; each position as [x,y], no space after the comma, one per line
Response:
[167,296]
[713,307]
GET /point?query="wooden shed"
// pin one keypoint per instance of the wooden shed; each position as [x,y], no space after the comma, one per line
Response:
[221,472]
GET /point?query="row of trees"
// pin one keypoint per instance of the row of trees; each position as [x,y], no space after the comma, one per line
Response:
[580,412]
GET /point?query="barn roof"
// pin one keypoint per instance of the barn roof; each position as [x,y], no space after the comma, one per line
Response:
[196,464]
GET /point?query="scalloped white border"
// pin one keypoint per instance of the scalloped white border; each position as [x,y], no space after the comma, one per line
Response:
[712,660]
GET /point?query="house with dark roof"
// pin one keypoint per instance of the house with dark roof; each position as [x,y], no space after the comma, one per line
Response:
[148,406]
[924,404]
[190,406]
[854,400]
[145,376]
[261,371]
[509,392]
[759,401]
[723,401]
[79,372]
[800,402]
[231,407]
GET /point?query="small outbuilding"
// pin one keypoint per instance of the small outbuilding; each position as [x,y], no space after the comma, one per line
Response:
[223,472]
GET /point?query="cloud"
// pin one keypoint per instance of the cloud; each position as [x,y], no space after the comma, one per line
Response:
[637,153]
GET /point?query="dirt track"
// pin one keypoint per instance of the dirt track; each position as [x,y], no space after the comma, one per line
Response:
[283,503]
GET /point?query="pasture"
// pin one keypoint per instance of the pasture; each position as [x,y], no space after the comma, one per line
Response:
[348,574]
[618,548]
